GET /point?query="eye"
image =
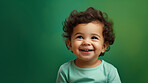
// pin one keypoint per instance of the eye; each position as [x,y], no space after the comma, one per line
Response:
[94,37]
[79,37]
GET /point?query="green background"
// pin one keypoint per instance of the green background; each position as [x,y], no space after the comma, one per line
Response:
[32,49]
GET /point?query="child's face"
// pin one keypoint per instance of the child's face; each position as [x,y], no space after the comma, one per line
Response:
[87,41]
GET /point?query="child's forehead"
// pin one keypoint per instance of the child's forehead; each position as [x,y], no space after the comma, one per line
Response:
[93,22]
[89,27]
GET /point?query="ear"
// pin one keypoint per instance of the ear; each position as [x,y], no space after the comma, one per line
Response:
[106,44]
[69,44]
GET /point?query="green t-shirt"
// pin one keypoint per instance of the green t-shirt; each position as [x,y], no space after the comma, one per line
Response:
[103,73]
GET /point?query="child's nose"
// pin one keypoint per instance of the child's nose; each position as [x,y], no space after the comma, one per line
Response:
[86,43]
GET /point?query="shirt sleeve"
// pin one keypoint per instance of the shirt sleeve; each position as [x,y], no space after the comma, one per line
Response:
[61,77]
[113,76]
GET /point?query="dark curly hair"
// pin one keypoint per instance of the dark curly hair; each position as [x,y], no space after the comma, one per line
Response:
[89,15]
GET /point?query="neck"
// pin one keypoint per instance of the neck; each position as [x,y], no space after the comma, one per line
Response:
[87,64]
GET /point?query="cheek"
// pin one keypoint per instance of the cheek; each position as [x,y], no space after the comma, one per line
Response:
[76,44]
[98,46]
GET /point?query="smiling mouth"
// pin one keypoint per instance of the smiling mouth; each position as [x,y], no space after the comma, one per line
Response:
[86,50]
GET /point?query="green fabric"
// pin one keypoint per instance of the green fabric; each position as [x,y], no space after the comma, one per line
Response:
[103,73]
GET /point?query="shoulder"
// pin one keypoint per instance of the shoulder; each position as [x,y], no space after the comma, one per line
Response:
[111,72]
[65,66]
[62,76]
[108,68]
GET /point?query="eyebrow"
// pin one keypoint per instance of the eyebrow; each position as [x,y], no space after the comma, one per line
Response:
[96,35]
[77,33]
[91,34]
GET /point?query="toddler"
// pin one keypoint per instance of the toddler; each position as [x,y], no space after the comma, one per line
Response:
[88,35]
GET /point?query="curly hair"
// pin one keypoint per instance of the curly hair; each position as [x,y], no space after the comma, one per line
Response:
[89,15]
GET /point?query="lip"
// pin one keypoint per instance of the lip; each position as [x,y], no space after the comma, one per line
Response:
[86,50]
